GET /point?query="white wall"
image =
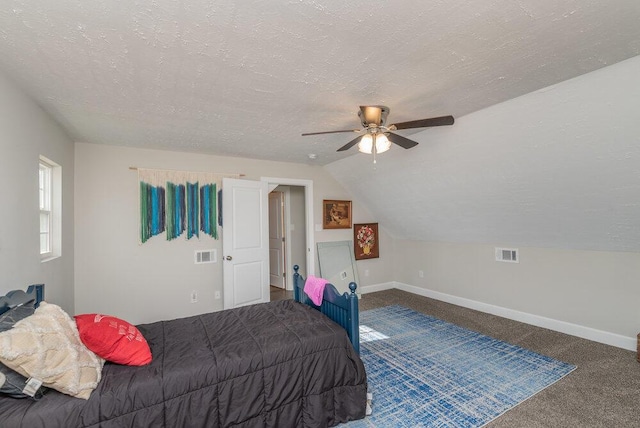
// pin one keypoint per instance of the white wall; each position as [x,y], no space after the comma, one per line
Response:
[593,289]
[26,132]
[555,173]
[380,270]
[298,234]
[144,283]
[556,168]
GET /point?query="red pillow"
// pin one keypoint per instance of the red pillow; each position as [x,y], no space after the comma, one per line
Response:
[113,339]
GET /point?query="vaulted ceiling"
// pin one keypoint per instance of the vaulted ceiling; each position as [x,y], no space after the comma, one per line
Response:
[556,168]
[247,78]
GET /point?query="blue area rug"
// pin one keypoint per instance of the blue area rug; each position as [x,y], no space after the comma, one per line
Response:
[425,372]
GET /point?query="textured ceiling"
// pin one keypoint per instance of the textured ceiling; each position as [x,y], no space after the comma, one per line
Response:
[247,78]
[556,168]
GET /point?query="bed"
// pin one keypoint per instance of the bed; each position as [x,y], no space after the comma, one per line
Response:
[278,364]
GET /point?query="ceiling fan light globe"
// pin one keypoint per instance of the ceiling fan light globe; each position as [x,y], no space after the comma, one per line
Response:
[366,144]
[382,143]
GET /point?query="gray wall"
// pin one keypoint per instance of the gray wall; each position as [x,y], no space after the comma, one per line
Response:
[26,132]
[298,235]
[144,283]
[595,290]
[555,173]
[556,168]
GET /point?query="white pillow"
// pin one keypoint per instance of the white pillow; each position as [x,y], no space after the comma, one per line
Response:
[46,346]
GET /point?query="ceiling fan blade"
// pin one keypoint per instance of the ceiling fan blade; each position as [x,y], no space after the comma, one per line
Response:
[330,132]
[349,144]
[403,142]
[425,123]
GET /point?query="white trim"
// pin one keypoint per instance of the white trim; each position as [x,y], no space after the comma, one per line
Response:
[54,209]
[287,237]
[376,287]
[308,207]
[613,339]
[45,196]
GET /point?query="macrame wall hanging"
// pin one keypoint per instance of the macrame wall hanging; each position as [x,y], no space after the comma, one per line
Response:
[175,202]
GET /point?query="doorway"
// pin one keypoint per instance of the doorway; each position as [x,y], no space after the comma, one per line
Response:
[245,238]
[297,225]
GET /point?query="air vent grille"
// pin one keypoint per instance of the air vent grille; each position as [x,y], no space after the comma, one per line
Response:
[509,255]
[205,256]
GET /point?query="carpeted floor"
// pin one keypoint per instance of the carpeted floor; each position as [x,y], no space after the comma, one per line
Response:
[604,391]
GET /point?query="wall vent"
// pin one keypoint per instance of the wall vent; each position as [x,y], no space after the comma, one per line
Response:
[206,256]
[509,255]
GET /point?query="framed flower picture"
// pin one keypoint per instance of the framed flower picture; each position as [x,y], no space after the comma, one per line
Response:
[365,241]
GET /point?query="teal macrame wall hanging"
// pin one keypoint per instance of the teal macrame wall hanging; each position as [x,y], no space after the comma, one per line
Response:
[175,202]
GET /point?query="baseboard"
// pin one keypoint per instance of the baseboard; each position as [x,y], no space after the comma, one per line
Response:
[588,333]
[377,287]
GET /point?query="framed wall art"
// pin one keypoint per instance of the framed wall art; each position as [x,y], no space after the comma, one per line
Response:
[365,241]
[336,214]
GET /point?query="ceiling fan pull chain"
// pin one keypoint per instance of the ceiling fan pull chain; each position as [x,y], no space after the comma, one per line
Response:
[374,149]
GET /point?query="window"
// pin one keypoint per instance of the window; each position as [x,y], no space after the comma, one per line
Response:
[45,209]
[49,188]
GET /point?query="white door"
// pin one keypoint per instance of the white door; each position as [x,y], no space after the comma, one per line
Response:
[276,240]
[245,242]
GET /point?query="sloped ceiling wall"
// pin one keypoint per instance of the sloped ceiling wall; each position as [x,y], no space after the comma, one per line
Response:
[245,79]
[557,168]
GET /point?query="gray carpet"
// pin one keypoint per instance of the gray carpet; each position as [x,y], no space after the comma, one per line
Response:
[604,391]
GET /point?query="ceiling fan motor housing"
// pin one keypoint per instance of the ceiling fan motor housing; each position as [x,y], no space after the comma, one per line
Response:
[376,115]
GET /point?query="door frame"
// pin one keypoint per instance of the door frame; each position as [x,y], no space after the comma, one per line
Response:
[309,227]
[284,243]
[286,216]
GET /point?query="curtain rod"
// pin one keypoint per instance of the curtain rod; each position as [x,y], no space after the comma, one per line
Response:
[135,168]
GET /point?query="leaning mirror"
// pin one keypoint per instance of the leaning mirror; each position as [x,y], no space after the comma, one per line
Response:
[337,264]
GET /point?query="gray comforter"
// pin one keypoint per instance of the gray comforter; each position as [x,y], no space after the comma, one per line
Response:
[279,364]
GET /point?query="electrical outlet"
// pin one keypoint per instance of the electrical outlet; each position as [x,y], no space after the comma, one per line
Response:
[366,272]
[194,296]
[217,295]
[421,274]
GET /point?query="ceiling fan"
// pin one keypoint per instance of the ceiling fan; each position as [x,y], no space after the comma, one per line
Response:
[378,136]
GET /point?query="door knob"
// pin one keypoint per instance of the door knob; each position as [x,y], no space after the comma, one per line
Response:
[228,257]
